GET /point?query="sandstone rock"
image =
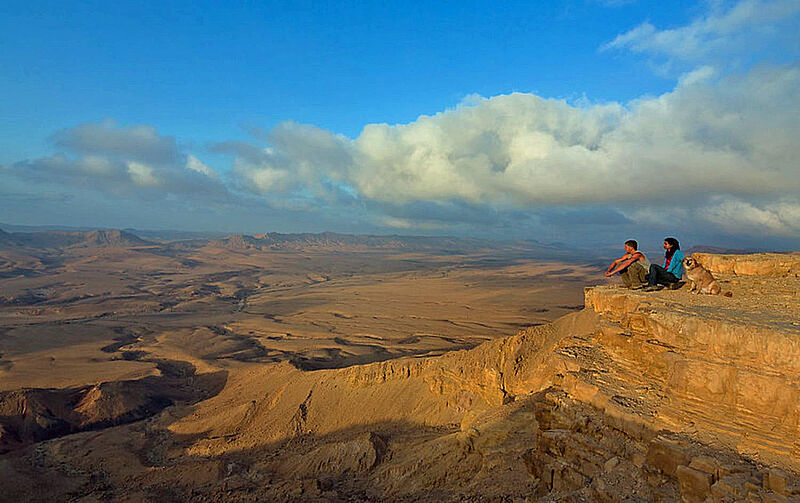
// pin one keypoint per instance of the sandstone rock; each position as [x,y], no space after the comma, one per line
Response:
[775,480]
[728,369]
[774,498]
[601,491]
[666,455]
[706,464]
[695,485]
[355,456]
[611,464]
[755,264]
[553,441]
[752,486]
[726,489]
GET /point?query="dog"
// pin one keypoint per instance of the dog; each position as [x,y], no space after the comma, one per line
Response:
[701,279]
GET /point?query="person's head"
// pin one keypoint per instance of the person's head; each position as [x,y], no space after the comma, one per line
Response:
[671,245]
[631,245]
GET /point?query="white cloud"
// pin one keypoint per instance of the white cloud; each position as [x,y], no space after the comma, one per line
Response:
[97,166]
[520,150]
[197,165]
[780,218]
[720,33]
[123,160]
[142,175]
[302,157]
[404,223]
[726,132]
[268,180]
[141,143]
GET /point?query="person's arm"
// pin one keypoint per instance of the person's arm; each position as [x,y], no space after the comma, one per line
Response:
[622,263]
[676,264]
[614,263]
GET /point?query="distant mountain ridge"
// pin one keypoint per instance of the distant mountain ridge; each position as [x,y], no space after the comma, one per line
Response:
[60,239]
[350,242]
[112,238]
[5,237]
[335,240]
[329,241]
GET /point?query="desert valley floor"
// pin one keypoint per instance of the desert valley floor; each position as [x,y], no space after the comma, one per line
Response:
[104,311]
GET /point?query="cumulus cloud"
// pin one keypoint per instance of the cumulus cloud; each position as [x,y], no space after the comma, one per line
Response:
[520,150]
[142,175]
[299,157]
[722,134]
[133,160]
[403,223]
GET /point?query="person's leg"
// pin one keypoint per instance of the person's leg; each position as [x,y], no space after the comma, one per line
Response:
[655,273]
[638,274]
[659,275]
[671,281]
[625,274]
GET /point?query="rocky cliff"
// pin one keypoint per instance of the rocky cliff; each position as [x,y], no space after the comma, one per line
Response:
[655,395]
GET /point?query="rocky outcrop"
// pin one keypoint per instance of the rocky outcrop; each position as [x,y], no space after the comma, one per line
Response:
[723,380]
[31,415]
[755,264]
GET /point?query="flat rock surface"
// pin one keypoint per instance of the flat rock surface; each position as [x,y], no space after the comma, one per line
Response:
[772,301]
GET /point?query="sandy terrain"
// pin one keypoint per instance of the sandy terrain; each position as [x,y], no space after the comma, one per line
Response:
[66,324]
[78,309]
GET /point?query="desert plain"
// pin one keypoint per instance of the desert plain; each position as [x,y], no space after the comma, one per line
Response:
[108,306]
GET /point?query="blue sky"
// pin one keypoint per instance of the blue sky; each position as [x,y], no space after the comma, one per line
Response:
[202,70]
[570,121]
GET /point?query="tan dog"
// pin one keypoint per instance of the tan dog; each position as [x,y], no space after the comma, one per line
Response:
[701,279]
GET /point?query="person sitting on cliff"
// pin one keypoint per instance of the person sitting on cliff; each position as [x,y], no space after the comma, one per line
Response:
[671,273]
[632,267]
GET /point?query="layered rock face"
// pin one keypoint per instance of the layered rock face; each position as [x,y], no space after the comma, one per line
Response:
[731,381]
[660,396]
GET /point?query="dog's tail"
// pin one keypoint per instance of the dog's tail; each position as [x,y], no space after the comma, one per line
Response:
[728,294]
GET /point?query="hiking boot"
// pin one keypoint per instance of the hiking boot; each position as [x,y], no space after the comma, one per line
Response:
[637,287]
[676,286]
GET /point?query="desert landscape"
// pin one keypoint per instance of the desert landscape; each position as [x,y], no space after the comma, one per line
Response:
[325,367]
[71,301]
[312,252]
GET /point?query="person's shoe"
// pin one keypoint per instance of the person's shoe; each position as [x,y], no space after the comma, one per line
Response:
[652,288]
[676,286]
[637,287]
